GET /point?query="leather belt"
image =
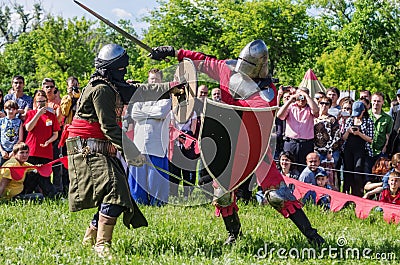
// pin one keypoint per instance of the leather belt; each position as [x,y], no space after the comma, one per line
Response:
[77,145]
[298,140]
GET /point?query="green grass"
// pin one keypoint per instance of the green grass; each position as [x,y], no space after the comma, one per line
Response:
[49,234]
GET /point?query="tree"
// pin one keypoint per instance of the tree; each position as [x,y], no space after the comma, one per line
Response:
[354,70]
[281,24]
[222,28]
[189,24]
[57,49]
[60,48]
[9,30]
[17,59]
[299,34]
[64,48]
[374,25]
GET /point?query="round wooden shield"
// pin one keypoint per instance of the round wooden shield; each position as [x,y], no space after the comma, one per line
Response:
[183,105]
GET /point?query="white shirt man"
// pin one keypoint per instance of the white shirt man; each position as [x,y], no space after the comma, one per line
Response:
[151,136]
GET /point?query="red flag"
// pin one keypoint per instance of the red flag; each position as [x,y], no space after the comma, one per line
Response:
[391,212]
[17,173]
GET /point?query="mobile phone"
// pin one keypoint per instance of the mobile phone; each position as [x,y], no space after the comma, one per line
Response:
[42,104]
[344,113]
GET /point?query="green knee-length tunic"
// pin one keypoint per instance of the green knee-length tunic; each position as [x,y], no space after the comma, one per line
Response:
[97,178]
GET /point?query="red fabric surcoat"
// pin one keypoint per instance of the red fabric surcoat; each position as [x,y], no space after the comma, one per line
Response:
[220,71]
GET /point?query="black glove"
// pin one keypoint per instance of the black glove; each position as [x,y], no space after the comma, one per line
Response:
[161,52]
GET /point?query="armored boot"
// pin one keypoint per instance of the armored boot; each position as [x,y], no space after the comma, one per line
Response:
[104,236]
[300,219]
[232,224]
[89,239]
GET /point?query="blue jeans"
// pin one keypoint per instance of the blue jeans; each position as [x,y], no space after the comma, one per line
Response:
[310,196]
[325,202]
[335,155]
[2,160]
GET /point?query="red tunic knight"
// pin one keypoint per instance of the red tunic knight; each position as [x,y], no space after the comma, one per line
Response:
[237,79]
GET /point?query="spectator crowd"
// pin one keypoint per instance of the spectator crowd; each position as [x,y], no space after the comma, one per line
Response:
[339,143]
[30,129]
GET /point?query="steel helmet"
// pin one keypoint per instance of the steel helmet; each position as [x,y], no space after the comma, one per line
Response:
[253,60]
[111,57]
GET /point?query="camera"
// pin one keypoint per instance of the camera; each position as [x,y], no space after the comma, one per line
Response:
[354,128]
[300,97]
[285,88]
[275,80]
[75,89]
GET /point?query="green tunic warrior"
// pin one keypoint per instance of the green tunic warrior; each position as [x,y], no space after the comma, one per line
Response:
[97,177]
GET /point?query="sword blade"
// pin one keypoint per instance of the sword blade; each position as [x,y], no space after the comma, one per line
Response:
[112,25]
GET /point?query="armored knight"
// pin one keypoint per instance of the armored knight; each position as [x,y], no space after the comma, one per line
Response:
[97,177]
[245,82]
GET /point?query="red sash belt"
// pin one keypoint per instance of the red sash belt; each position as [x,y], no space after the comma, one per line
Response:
[82,128]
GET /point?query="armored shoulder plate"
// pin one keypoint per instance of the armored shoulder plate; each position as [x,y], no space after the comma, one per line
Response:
[242,86]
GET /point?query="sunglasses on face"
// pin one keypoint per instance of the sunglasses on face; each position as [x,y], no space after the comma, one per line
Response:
[324,103]
[49,86]
[18,82]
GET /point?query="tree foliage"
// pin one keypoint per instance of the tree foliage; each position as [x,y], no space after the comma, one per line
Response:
[62,49]
[349,44]
[59,48]
[296,32]
[354,70]
[56,49]
[9,30]
[223,27]
[374,25]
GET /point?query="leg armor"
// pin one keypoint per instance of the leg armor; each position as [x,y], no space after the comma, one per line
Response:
[283,200]
[277,193]
[225,205]
[300,219]
[232,225]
